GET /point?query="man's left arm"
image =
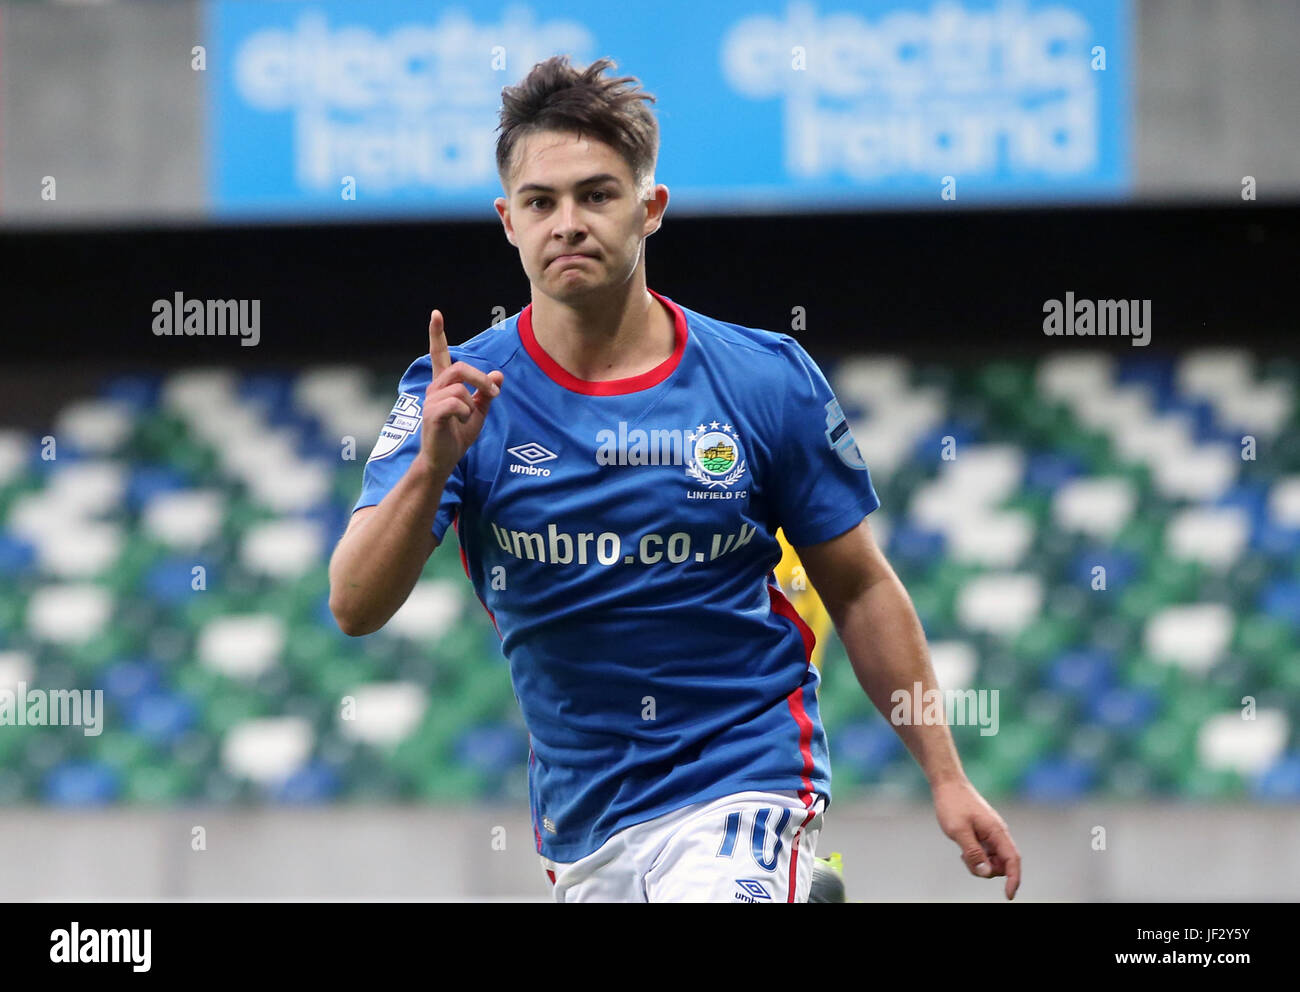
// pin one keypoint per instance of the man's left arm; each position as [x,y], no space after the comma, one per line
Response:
[886,646]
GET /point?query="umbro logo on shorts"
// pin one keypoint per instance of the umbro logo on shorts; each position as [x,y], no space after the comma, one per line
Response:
[751,890]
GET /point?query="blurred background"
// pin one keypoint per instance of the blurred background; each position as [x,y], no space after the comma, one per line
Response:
[904,186]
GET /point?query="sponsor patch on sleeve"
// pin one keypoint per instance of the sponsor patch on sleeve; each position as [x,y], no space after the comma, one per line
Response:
[401,424]
[840,437]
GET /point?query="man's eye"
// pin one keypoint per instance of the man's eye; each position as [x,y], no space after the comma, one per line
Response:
[601,193]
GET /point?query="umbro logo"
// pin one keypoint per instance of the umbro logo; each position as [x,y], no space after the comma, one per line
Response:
[750,891]
[531,453]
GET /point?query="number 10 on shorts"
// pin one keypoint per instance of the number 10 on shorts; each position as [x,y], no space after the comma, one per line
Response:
[758,836]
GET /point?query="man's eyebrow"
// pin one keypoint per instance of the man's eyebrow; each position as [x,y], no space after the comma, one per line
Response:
[603,177]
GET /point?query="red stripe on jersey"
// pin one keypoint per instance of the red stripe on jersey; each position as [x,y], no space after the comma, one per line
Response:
[464,562]
[532,758]
[794,853]
[783,606]
[786,609]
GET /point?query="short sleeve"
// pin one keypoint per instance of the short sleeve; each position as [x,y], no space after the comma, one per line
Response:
[399,443]
[822,484]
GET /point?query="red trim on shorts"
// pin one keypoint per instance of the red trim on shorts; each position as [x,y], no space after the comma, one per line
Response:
[783,606]
[551,875]
[794,853]
[612,387]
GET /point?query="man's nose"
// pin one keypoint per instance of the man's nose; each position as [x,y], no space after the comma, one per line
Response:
[567,222]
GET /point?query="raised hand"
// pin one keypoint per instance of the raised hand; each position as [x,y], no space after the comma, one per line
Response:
[453,416]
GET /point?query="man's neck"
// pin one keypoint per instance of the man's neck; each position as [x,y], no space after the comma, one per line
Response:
[605,338]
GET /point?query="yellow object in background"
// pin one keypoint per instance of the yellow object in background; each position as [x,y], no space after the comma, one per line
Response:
[803,597]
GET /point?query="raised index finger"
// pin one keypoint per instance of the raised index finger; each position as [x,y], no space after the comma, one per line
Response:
[439,354]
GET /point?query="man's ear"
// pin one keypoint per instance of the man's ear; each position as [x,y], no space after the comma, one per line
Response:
[656,206]
[503,211]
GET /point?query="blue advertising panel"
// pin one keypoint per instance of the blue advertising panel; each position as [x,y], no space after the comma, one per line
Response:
[331,107]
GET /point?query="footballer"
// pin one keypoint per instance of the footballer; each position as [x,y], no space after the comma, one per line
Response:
[616,467]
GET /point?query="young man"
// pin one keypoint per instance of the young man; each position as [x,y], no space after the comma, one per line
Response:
[617,467]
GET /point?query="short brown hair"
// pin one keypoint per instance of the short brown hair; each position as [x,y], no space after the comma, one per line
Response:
[556,96]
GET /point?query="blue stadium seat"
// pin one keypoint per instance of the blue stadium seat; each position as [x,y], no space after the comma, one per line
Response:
[81,783]
[272,392]
[492,748]
[147,481]
[125,681]
[315,782]
[1121,567]
[1082,673]
[929,447]
[171,581]
[867,746]
[1048,470]
[137,391]
[1124,709]
[1276,541]
[16,555]
[1281,781]
[1156,371]
[910,544]
[161,716]
[1054,779]
[1281,599]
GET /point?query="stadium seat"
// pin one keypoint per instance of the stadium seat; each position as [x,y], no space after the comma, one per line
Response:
[1057,779]
[81,783]
[1190,636]
[384,713]
[242,646]
[1000,603]
[1249,746]
[267,751]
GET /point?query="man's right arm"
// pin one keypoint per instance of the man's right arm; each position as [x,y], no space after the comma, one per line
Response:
[380,557]
[383,552]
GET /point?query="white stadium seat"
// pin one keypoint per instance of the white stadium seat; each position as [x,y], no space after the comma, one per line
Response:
[1228,741]
[242,646]
[268,750]
[385,713]
[1000,603]
[433,607]
[1193,637]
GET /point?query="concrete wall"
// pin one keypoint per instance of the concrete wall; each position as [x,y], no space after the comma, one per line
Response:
[1153,853]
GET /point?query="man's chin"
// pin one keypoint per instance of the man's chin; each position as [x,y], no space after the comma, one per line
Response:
[568,288]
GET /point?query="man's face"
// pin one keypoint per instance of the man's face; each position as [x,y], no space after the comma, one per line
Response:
[571,196]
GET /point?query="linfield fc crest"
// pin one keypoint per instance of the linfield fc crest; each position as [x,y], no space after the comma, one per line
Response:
[840,438]
[714,456]
[401,424]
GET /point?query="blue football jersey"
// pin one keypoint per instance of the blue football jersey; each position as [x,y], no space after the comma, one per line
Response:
[622,536]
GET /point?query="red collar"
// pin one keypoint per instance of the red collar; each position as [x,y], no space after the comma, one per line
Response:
[611,387]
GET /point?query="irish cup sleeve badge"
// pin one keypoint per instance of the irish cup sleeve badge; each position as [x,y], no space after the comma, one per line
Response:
[402,422]
[840,437]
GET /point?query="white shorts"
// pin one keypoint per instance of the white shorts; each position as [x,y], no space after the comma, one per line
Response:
[750,847]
